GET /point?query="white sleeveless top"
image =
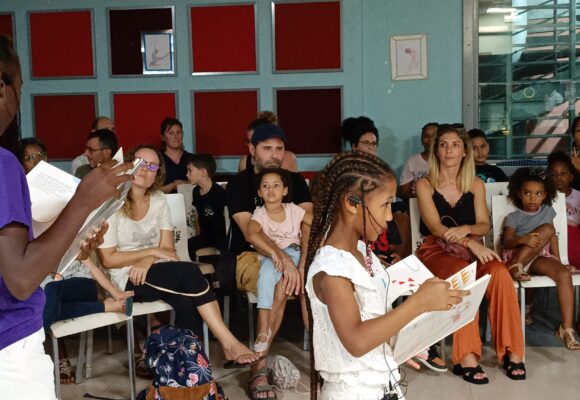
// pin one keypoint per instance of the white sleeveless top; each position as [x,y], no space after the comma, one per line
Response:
[332,360]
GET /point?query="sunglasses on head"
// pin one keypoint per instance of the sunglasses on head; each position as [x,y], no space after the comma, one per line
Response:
[150,166]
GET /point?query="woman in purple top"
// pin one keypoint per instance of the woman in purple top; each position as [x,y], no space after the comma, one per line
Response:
[25,371]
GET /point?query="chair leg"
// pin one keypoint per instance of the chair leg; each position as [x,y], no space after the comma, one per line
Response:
[251,324]
[577,303]
[56,366]
[227,310]
[109,340]
[148,325]
[130,353]
[89,367]
[171,318]
[522,292]
[306,344]
[206,340]
[82,358]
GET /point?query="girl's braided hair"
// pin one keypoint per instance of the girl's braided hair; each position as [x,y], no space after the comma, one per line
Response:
[353,171]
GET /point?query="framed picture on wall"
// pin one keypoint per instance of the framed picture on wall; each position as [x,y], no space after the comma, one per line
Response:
[157,52]
[408,57]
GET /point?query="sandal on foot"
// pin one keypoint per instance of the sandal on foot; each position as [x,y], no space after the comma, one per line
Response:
[261,347]
[511,366]
[468,374]
[520,274]
[233,364]
[568,337]
[258,390]
[67,373]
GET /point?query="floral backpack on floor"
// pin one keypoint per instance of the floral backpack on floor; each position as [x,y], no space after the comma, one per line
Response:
[181,370]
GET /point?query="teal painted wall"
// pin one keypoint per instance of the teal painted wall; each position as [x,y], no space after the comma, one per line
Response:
[399,108]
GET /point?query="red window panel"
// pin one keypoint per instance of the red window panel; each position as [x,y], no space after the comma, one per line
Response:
[307,36]
[63,122]
[6,25]
[223,38]
[138,117]
[311,119]
[61,44]
[221,119]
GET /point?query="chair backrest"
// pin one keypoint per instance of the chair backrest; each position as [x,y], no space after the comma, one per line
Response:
[416,238]
[493,189]
[501,207]
[178,219]
[186,190]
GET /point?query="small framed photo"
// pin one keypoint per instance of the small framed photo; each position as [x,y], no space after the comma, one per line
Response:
[157,52]
[408,57]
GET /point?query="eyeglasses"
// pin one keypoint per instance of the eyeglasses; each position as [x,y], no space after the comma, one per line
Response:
[150,166]
[369,144]
[91,150]
[38,156]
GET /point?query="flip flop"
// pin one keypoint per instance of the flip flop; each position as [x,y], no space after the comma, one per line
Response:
[234,364]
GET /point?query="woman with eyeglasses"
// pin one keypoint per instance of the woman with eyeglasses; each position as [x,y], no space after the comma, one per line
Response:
[139,252]
[454,217]
[31,151]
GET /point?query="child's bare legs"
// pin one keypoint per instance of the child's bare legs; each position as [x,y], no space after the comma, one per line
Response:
[554,270]
[233,348]
[525,254]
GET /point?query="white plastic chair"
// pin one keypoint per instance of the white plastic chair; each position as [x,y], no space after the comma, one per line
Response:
[501,207]
[84,325]
[493,189]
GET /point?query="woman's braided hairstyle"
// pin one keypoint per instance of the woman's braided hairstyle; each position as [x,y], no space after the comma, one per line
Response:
[353,171]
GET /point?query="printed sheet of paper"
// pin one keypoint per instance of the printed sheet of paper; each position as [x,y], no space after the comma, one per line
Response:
[429,328]
[464,277]
[406,276]
[50,191]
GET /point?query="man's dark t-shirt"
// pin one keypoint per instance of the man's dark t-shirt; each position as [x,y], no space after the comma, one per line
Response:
[242,196]
[490,173]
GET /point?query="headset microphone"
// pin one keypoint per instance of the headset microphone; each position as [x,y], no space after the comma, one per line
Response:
[354,200]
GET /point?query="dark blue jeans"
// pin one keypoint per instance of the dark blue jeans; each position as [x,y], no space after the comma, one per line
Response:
[70,298]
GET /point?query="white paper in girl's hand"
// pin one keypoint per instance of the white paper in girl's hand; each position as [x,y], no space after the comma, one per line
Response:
[464,277]
[406,276]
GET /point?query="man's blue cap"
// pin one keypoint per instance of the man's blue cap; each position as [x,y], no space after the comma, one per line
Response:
[267,131]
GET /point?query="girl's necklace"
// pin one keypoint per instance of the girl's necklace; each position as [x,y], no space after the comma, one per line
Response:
[369,260]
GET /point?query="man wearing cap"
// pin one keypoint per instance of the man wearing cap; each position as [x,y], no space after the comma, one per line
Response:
[267,151]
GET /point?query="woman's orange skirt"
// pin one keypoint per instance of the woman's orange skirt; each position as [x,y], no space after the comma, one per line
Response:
[504,315]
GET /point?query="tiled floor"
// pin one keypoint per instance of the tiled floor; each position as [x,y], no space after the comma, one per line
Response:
[553,371]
